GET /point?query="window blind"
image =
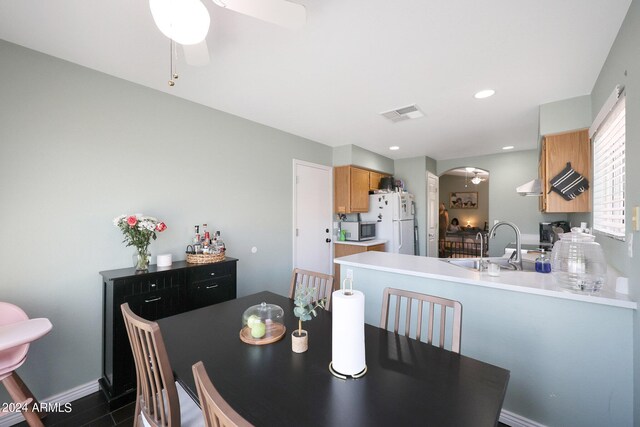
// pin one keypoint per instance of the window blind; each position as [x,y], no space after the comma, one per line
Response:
[609,173]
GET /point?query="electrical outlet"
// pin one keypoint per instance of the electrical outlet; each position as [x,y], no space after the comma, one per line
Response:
[349,273]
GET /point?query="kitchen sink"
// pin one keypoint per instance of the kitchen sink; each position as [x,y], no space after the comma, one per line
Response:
[474,263]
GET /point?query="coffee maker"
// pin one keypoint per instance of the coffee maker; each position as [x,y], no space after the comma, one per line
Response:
[549,231]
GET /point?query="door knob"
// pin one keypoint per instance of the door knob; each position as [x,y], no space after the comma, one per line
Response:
[328,240]
[326,230]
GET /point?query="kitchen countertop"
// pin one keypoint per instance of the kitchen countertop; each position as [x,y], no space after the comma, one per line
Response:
[516,281]
[363,243]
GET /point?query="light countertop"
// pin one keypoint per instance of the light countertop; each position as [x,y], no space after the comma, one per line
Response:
[516,281]
[363,243]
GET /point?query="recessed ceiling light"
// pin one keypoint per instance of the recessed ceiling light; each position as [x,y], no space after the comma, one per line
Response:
[508,147]
[394,148]
[484,93]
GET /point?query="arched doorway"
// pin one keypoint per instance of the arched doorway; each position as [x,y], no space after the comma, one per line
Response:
[464,211]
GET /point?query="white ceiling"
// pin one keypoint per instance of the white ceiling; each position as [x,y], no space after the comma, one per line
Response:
[352,60]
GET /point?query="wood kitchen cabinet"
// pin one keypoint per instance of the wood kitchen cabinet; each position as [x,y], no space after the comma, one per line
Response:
[345,249]
[374,180]
[351,188]
[154,294]
[557,150]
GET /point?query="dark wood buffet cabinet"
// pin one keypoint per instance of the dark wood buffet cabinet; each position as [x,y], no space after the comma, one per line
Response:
[156,293]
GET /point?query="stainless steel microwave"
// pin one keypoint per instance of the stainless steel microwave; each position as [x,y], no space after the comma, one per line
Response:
[359,231]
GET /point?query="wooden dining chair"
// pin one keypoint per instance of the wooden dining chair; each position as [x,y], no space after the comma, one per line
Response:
[322,283]
[216,411]
[160,401]
[405,299]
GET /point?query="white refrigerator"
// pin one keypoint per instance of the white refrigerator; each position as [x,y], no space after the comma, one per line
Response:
[394,213]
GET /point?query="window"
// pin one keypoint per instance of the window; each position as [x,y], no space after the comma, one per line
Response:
[609,173]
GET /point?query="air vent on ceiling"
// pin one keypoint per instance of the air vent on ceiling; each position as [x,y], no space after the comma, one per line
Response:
[404,113]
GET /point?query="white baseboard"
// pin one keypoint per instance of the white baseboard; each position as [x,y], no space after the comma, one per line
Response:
[515,420]
[64,397]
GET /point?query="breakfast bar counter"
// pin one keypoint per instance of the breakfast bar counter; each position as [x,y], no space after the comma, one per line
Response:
[570,355]
[516,281]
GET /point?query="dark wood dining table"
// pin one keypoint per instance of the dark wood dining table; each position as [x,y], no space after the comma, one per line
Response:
[407,383]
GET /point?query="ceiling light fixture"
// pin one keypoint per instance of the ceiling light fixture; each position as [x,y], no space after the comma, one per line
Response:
[184,21]
[476,179]
[484,93]
[508,147]
[394,148]
[470,169]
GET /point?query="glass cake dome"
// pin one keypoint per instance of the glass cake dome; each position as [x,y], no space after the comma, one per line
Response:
[262,324]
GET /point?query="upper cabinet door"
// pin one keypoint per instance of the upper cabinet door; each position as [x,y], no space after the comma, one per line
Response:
[359,190]
[558,150]
[351,187]
[374,180]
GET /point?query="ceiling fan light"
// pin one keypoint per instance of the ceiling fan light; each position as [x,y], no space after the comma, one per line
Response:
[183,21]
[476,180]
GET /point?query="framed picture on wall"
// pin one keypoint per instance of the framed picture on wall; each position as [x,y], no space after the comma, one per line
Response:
[464,200]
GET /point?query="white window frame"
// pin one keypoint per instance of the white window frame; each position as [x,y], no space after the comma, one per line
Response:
[609,170]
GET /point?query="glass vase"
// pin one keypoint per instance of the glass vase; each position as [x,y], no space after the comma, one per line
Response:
[141,260]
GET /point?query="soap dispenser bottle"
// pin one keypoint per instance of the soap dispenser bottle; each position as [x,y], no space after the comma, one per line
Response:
[543,263]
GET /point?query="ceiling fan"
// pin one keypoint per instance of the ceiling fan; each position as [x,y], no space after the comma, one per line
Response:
[476,179]
[186,22]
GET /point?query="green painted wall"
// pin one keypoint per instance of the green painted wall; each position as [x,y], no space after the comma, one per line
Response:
[354,155]
[565,115]
[413,171]
[77,148]
[570,361]
[623,67]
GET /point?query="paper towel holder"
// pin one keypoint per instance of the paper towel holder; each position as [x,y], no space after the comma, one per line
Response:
[343,288]
[333,371]
[345,377]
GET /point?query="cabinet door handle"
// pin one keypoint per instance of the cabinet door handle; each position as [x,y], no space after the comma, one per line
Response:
[153,299]
[211,286]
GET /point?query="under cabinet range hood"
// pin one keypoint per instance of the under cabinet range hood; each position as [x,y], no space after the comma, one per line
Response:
[531,188]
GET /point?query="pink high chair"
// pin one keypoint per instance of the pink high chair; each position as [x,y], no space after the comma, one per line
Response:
[17,331]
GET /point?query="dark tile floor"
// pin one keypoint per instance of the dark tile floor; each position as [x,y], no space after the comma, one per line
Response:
[92,411]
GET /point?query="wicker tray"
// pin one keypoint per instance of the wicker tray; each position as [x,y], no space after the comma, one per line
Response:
[204,258]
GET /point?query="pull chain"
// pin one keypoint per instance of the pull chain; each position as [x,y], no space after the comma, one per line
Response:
[173,74]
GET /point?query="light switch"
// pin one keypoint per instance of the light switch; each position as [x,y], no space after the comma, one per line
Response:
[635,218]
[630,245]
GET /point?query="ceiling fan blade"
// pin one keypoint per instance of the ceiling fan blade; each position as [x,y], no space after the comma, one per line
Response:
[279,12]
[196,54]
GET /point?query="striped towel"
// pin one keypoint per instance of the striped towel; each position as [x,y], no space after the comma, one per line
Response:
[569,183]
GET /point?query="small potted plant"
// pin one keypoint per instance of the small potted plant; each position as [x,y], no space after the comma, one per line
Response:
[305,309]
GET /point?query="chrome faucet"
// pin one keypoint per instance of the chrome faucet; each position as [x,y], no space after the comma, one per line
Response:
[516,257]
[481,264]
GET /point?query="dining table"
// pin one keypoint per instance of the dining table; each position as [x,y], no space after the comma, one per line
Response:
[407,382]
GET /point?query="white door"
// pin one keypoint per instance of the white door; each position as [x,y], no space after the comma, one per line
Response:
[312,217]
[432,215]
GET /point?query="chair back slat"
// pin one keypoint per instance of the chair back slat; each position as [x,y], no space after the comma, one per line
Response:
[157,396]
[430,320]
[322,285]
[216,411]
[419,326]
[409,297]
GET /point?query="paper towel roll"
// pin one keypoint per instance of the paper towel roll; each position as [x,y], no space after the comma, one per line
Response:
[163,260]
[347,337]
